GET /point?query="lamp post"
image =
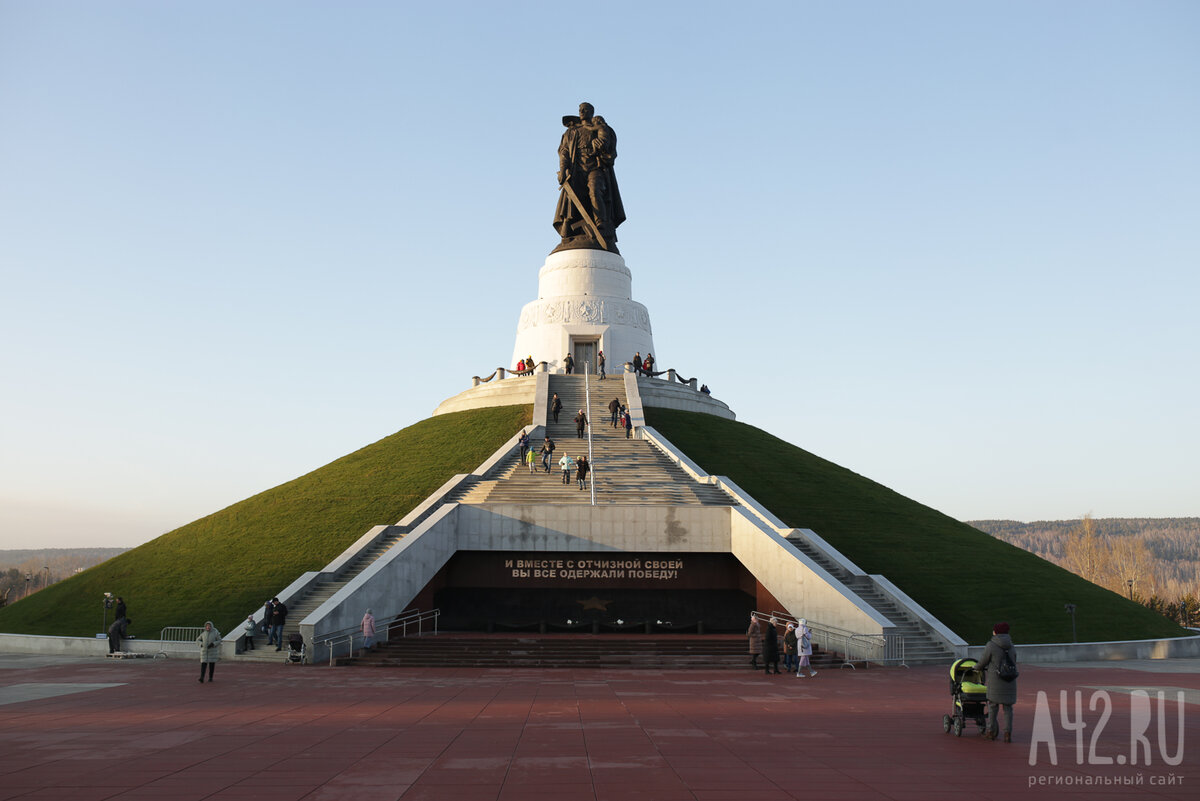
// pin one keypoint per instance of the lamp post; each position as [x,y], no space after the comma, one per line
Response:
[1130,583]
[46,583]
[28,578]
[108,602]
[1071,611]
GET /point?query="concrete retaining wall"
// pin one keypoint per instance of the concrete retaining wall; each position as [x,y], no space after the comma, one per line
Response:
[510,391]
[1174,648]
[662,393]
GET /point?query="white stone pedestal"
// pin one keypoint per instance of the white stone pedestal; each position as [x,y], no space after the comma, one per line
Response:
[585,304]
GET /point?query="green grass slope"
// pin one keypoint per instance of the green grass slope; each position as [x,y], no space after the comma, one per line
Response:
[222,567]
[965,577]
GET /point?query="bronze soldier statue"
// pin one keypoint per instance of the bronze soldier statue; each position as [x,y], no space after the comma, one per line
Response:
[589,201]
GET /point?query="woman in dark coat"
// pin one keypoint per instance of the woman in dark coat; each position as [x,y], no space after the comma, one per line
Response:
[790,649]
[1000,693]
[771,647]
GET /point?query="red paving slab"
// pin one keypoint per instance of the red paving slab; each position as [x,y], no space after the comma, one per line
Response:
[273,732]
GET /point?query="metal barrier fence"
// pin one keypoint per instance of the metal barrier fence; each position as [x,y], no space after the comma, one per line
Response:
[178,640]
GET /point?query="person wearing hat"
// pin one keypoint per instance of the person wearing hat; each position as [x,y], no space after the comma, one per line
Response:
[210,649]
[771,647]
[803,649]
[789,649]
[1000,692]
[368,630]
[754,635]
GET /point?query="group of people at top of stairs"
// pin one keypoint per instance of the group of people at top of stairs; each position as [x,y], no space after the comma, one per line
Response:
[765,642]
[580,467]
[601,359]
[640,366]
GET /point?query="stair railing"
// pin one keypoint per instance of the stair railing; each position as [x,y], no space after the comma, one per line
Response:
[402,621]
[587,404]
[883,649]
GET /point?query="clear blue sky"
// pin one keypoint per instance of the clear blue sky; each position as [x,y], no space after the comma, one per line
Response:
[951,246]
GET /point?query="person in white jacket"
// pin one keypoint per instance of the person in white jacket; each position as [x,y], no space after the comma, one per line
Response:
[210,649]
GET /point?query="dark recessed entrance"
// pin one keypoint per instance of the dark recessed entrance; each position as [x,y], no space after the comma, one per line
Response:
[569,591]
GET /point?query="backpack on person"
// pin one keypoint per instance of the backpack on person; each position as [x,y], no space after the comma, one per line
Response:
[1007,669]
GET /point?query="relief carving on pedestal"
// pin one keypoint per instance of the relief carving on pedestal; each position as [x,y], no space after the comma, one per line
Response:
[590,312]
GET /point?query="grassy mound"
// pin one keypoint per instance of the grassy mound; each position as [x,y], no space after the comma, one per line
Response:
[966,578]
[222,567]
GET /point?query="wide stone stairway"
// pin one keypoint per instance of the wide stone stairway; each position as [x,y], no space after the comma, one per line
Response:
[654,652]
[625,471]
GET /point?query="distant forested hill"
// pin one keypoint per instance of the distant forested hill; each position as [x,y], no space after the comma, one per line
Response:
[1172,543]
[29,570]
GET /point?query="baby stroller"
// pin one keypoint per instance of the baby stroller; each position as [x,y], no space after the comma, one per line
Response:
[296,652]
[970,697]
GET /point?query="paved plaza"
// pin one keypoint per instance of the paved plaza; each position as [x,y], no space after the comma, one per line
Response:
[90,729]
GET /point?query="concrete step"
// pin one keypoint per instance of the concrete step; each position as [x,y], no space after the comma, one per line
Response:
[669,652]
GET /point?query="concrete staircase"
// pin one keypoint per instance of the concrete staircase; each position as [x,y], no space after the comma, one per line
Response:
[318,594]
[654,652]
[919,646]
[625,471]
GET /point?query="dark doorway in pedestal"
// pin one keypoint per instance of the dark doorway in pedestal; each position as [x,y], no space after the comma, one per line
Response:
[601,592]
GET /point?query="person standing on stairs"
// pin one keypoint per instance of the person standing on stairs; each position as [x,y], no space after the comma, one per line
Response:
[250,629]
[556,406]
[567,464]
[569,363]
[531,460]
[614,407]
[278,619]
[368,630]
[580,424]
[628,425]
[582,467]
[547,453]
[600,363]
[523,443]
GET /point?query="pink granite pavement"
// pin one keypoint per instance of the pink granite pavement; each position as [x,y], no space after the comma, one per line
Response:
[97,729]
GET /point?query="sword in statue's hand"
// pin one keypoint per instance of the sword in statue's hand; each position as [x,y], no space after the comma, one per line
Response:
[588,222]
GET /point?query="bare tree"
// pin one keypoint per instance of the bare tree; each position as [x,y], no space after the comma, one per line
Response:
[1084,553]
[1131,568]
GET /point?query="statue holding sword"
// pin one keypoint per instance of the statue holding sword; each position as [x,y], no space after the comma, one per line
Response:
[589,202]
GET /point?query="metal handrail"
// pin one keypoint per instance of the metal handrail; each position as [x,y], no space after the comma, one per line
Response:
[587,404]
[853,646]
[387,624]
